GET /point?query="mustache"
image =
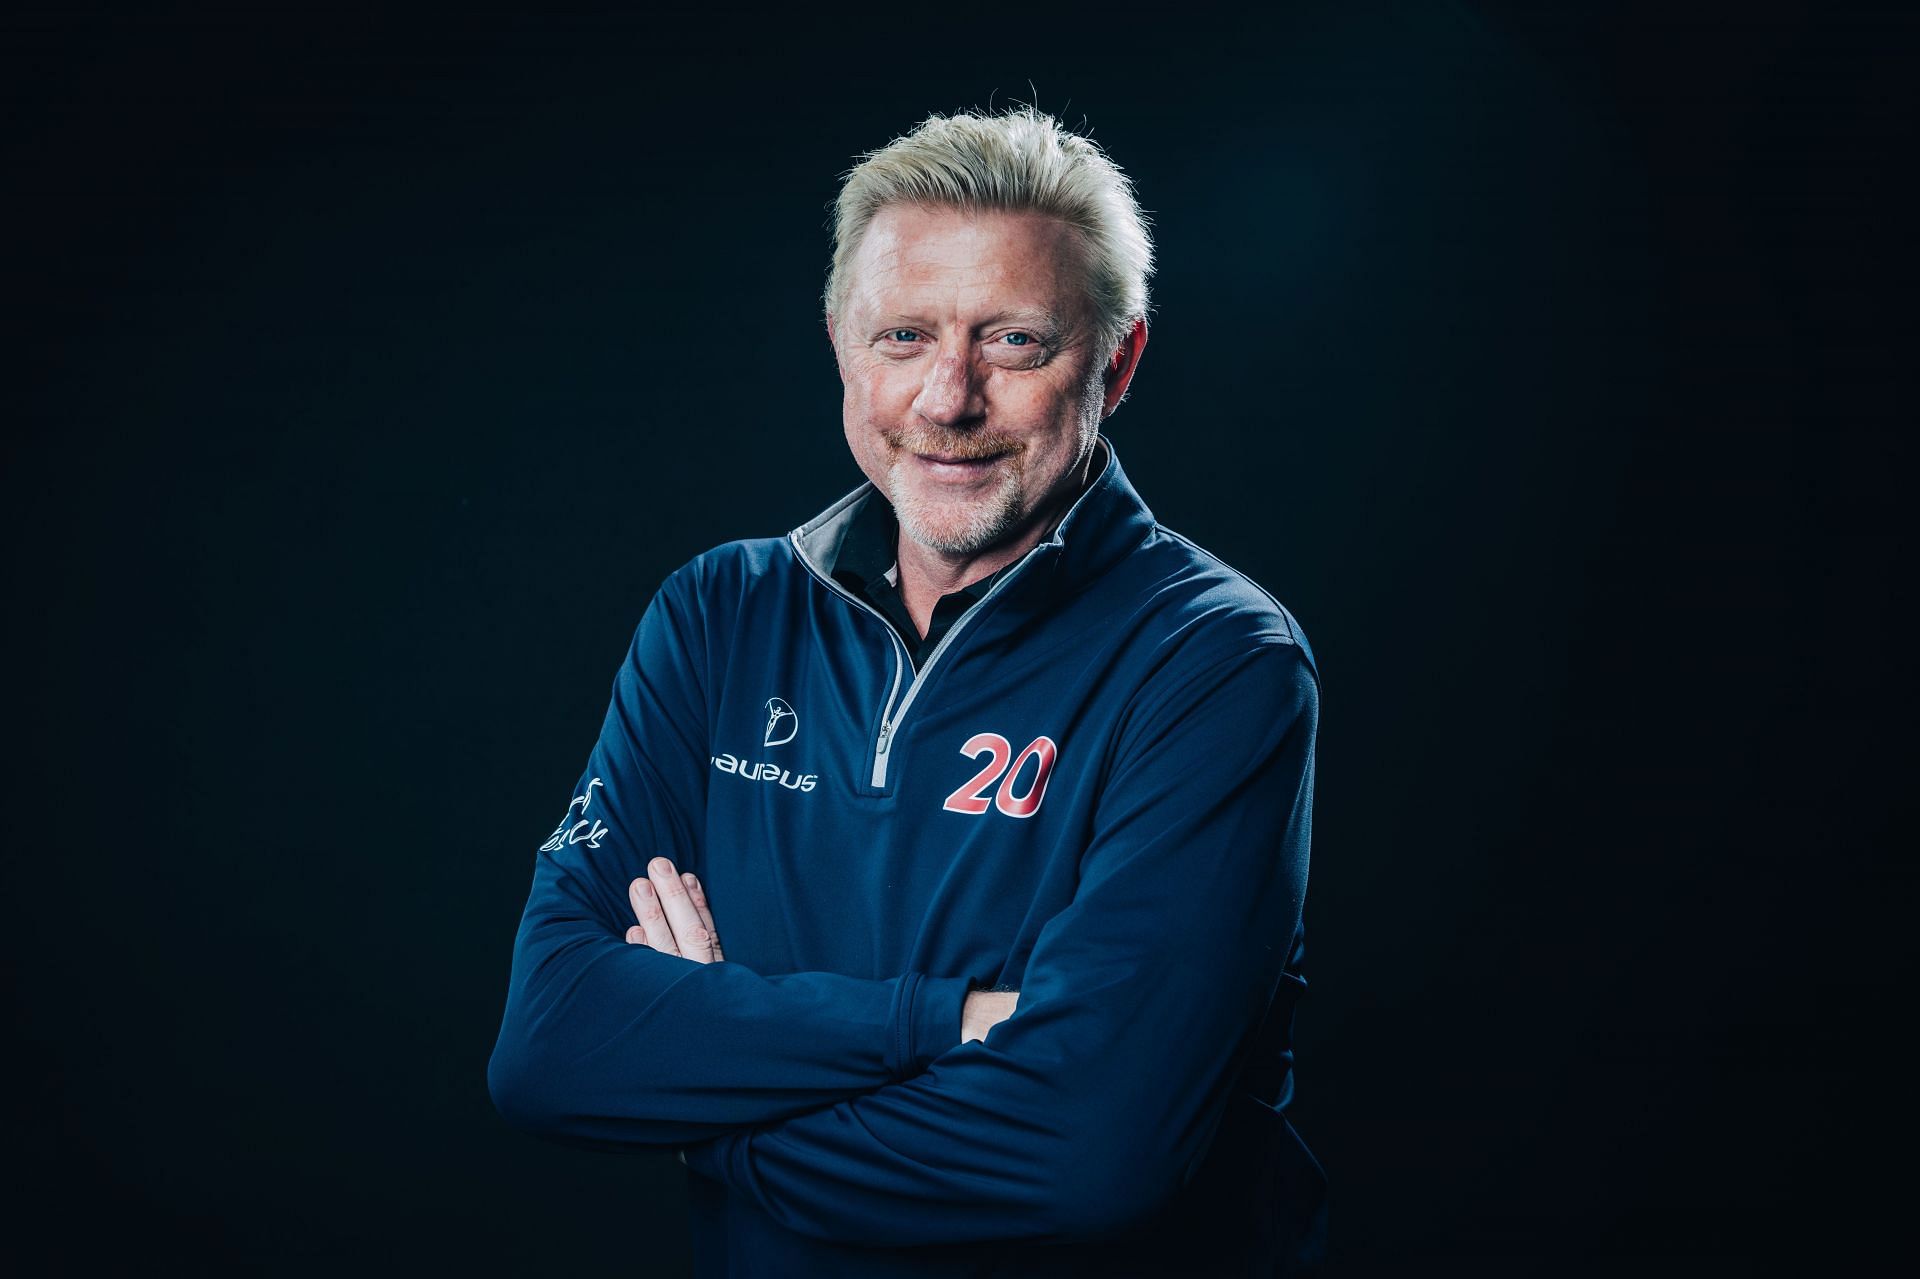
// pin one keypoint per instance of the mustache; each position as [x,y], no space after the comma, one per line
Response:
[967,445]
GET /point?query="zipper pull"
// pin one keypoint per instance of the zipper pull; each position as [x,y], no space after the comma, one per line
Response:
[885,729]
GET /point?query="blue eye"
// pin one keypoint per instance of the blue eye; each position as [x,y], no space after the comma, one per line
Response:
[1018,339]
[903,335]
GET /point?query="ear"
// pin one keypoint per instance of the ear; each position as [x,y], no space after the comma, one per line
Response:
[1121,364]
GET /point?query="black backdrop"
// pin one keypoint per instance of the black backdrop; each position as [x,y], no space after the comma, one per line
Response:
[369,372]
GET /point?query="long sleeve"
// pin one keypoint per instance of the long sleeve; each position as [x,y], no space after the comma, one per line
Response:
[1090,1106]
[602,1041]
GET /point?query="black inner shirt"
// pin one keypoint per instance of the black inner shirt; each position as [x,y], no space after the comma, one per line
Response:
[868,566]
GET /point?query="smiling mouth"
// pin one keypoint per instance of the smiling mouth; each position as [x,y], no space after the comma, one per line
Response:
[959,459]
[959,468]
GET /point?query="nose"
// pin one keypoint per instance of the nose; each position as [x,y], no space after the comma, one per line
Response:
[952,394]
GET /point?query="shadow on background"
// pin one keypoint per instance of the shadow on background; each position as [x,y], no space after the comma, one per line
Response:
[372,371]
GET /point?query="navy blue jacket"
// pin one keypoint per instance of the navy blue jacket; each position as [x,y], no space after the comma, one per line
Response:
[1097,790]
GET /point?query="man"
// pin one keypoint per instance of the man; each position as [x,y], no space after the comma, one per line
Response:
[998,791]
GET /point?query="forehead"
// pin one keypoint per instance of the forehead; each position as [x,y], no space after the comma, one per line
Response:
[920,257]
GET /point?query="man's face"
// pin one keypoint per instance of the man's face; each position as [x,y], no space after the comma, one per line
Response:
[972,374]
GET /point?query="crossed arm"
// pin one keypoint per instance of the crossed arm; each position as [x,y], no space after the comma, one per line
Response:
[844,1107]
[676,919]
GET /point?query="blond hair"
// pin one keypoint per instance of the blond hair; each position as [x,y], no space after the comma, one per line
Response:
[1018,160]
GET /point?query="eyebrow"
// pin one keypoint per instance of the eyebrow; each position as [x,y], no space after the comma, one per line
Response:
[1033,318]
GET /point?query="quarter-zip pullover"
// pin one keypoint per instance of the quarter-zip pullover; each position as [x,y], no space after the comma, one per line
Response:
[1095,789]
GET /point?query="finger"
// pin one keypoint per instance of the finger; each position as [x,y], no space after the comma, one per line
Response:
[653,920]
[689,934]
[636,937]
[699,896]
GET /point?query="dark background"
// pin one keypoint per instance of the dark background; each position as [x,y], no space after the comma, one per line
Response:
[368,373]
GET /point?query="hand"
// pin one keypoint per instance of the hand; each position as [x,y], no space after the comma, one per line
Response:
[985,1009]
[672,909]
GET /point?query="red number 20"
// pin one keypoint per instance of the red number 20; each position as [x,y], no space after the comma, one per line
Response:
[972,797]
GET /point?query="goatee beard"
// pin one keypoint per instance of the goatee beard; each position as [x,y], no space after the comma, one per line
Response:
[958,527]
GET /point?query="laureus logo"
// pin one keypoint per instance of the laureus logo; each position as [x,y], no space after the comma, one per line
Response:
[782,723]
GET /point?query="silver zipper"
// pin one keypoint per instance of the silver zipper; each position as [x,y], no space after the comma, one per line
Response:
[901,660]
[959,624]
